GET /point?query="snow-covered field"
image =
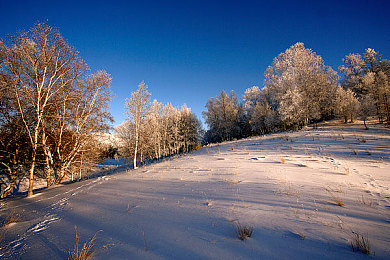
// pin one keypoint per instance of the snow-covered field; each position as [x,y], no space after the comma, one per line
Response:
[287,186]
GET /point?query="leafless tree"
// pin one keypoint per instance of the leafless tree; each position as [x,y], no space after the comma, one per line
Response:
[52,96]
[138,108]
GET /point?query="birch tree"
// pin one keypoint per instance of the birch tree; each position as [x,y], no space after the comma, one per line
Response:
[39,65]
[56,102]
[166,130]
[138,108]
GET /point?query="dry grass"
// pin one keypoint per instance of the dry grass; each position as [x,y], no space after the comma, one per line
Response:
[301,236]
[360,243]
[339,202]
[197,147]
[336,199]
[289,190]
[366,202]
[234,182]
[243,232]
[87,251]
[11,218]
[146,248]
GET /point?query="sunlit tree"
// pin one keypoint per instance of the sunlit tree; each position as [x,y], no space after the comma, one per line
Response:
[138,108]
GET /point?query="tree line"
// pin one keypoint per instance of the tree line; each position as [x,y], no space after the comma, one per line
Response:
[53,109]
[299,89]
[53,112]
[153,131]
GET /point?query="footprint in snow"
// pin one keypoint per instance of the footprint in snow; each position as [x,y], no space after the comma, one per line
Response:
[258,158]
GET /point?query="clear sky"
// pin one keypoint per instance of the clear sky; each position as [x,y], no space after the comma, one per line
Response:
[188,51]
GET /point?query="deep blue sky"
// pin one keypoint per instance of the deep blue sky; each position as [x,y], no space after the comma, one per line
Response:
[188,51]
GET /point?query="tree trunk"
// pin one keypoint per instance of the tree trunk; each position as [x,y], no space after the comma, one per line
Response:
[81,166]
[135,152]
[11,186]
[62,175]
[364,121]
[48,160]
[48,172]
[31,178]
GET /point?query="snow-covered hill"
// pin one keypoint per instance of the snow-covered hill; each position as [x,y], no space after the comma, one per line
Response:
[288,186]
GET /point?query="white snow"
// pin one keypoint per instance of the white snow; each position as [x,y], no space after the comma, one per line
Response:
[285,185]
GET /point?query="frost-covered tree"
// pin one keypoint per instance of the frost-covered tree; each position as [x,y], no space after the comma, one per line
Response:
[347,104]
[301,72]
[138,108]
[154,121]
[291,107]
[368,77]
[250,99]
[190,128]
[223,117]
[164,130]
[353,72]
[367,108]
[259,107]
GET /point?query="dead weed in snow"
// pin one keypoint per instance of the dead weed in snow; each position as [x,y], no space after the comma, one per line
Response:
[243,232]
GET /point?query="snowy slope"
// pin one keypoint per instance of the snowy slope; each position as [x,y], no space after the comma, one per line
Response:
[285,185]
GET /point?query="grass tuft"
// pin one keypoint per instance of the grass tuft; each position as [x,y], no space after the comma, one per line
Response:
[87,251]
[339,202]
[360,243]
[243,232]
[301,236]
